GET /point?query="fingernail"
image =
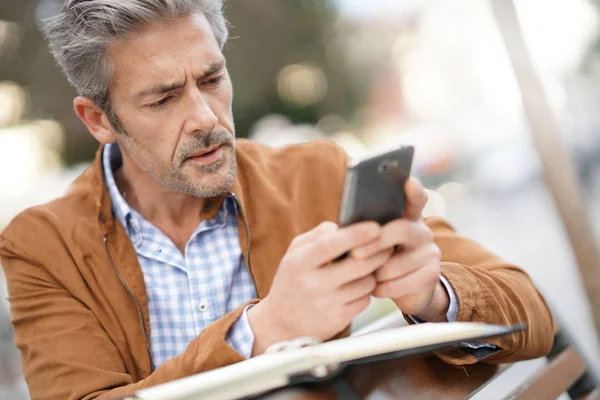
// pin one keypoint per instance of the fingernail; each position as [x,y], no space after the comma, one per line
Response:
[374,231]
[328,226]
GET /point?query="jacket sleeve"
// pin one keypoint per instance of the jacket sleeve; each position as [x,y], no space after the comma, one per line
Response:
[67,354]
[490,290]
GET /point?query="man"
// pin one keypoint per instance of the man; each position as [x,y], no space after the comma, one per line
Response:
[182,250]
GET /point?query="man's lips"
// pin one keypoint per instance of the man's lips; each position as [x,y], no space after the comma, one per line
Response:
[208,156]
[205,152]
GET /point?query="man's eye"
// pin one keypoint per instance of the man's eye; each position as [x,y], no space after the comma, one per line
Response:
[161,102]
[214,80]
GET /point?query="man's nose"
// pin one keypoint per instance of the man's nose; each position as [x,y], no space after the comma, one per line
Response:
[200,116]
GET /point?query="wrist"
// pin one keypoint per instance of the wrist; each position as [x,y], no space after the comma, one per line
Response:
[437,308]
[267,328]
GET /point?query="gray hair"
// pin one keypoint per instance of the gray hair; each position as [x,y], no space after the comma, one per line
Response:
[79,36]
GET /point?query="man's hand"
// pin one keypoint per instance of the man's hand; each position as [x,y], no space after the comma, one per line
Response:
[411,277]
[313,296]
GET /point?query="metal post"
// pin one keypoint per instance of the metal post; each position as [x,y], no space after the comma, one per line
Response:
[558,169]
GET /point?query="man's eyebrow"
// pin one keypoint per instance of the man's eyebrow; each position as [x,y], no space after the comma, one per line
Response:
[163,88]
[213,67]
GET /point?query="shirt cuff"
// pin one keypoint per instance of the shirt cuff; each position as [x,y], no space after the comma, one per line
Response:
[451,316]
[240,335]
[453,308]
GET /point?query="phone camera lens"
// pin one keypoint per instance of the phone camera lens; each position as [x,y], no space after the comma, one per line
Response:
[386,165]
[383,166]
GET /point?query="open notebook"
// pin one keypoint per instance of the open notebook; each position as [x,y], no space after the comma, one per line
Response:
[275,370]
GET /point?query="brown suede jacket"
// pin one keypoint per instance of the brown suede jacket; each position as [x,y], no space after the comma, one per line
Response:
[79,305]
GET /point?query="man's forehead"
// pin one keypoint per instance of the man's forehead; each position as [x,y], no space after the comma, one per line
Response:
[160,86]
[158,51]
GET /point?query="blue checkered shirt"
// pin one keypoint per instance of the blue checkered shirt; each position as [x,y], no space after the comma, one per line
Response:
[188,292]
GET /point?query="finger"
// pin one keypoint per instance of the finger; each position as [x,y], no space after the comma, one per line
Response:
[356,289]
[324,228]
[422,281]
[416,199]
[402,264]
[351,310]
[334,244]
[400,232]
[351,269]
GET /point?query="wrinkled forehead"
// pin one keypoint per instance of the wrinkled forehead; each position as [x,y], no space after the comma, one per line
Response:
[162,51]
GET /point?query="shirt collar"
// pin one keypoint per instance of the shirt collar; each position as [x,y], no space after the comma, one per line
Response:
[112,160]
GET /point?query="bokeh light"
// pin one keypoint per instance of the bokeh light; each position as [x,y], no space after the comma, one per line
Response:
[13,100]
[456,195]
[9,38]
[277,131]
[21,153]
[50,133]
[351,144]
[27,151]
[331,124]
[436,205]
[301,85]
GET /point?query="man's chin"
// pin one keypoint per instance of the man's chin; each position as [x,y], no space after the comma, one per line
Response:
[215,179]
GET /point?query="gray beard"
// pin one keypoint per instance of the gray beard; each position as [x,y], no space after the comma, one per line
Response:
[219,185]
[173,178]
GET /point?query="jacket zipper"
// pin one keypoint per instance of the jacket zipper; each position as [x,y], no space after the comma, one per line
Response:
[137,303]
[135,300]
[247,226]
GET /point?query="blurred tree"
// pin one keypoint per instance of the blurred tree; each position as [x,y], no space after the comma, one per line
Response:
[32,66]
[266,35]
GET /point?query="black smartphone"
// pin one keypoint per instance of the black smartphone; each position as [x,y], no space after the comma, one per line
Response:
[374,187]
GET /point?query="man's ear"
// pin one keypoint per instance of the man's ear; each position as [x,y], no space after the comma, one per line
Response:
[95,119]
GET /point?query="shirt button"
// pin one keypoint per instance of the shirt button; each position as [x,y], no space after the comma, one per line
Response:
[202,307]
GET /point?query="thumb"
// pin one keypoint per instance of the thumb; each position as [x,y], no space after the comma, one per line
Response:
[416,199]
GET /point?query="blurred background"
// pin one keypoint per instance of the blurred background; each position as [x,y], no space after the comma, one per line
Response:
[366,74]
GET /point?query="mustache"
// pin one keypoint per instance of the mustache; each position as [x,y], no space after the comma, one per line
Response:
[202,142]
